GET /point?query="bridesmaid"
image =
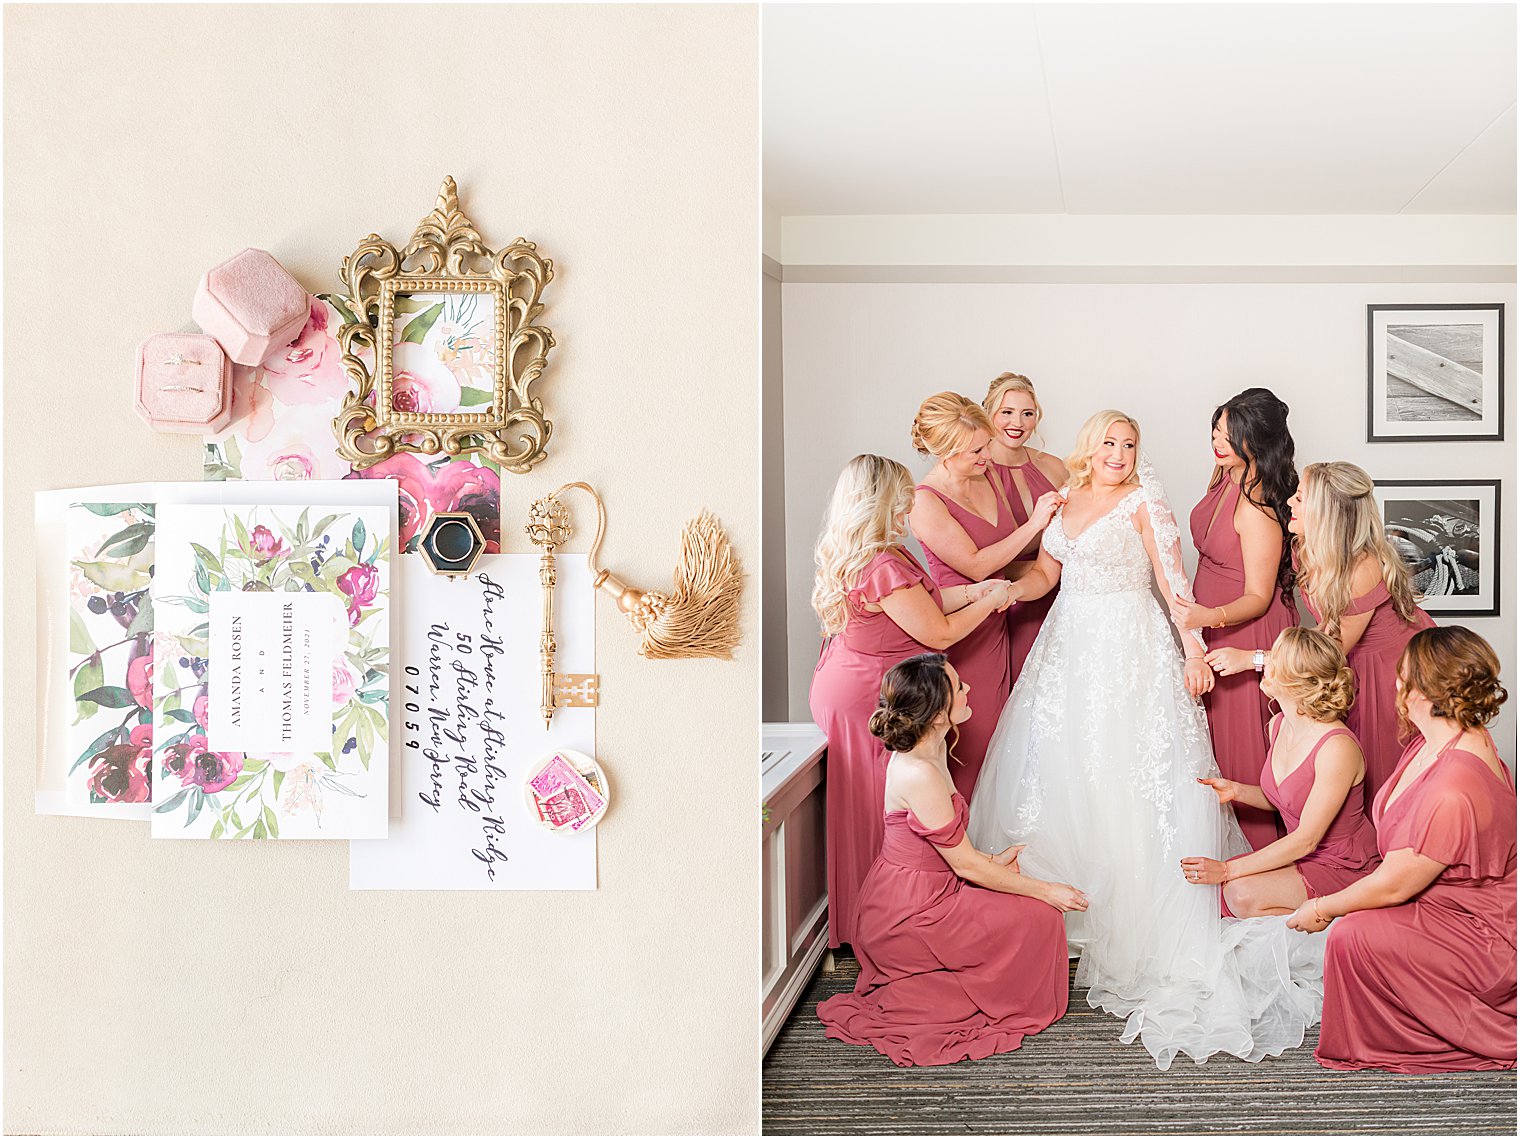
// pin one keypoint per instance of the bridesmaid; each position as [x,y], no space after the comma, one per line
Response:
[961,954]
[1244,584]
[962,518]
[877,606]
[1314,775]
[1031,481]
[1420,970]
[1360,593]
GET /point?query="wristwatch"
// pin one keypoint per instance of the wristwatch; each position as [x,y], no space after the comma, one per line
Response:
[1259,659]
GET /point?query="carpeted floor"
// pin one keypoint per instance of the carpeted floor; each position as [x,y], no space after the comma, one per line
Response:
[1075,1077]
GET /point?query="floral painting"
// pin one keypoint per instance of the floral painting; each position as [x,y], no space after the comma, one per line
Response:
[283,410]
[111,651]
[206,788]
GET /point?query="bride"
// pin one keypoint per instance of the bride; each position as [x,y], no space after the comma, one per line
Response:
[1095,765]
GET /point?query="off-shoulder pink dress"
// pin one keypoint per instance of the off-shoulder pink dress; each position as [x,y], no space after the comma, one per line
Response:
[1236,707]
[1429,986]
[1348,849]
[1374,659]
[846,687]
[981,656]
[1025,618]
[948,971]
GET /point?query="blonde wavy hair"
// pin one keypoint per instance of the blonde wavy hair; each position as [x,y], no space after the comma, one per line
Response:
[1012,382]
[1310,669]
[1088,440]
[945,423]
[1347,526]
[871,494]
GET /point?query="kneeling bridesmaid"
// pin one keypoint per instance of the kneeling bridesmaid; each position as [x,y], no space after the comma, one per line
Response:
[1420,968]
[1314,776]
[961,955]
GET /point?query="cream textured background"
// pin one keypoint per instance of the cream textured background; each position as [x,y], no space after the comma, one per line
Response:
[240,988]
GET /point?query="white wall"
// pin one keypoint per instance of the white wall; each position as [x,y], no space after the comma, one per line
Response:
[858,359]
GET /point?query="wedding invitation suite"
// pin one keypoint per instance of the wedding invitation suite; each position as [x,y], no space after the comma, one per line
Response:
[471,731]
[272,684]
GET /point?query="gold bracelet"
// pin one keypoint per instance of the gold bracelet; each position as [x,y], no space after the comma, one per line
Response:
[1317,914]
[1223,617]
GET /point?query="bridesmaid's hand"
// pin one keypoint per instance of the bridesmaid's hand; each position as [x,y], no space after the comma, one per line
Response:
[1198,677]
[1205,871]
[1306,920]
[1229,662]
[1227,789]
[1010,857]
[1063,897]
[1044,508]
[1188,615]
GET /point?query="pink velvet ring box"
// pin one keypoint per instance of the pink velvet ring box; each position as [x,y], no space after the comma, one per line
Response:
[184,384]
[251,305]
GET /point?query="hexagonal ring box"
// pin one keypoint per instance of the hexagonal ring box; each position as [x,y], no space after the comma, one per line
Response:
[452,543]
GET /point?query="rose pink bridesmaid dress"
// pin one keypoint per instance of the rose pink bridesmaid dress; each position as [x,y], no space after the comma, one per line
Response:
[981,656]
[1375,661]
[1024,619]
[1429,986]
[846,687]
[1348,849]
[1236,707]
[948,971]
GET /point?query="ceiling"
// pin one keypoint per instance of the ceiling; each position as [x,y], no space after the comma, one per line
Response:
[1139,108]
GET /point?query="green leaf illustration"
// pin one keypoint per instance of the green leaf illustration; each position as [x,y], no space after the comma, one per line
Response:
[106,509]
[111,696]
[125,543]
[114,576]
[165,808]
[474,397]
[79,636]
[143,622]
[360,534]
[418,329]
[271,822]
[91,675]
[99,744]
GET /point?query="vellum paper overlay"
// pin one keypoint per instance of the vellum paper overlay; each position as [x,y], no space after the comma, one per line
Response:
[470,732]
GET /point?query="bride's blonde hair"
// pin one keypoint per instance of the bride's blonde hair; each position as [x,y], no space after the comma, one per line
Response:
[1347,526]
[872,493]
[1090,437]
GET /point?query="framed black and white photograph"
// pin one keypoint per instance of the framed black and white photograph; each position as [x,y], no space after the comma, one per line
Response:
[1447,533]
[1435,372]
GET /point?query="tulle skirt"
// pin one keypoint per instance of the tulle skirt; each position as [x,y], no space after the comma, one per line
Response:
[1094,764]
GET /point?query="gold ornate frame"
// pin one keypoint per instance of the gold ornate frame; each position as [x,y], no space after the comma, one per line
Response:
[445,255]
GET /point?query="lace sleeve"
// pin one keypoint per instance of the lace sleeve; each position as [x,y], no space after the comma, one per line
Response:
[1167,536]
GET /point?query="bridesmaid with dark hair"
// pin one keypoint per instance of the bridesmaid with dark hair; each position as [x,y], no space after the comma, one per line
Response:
[1031,480]
[1420,965]
[962,518]
[1244,584]
[961,954]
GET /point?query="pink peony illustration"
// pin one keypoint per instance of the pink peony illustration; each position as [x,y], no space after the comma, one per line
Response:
[178,757]
[212,771]
[140,678]
[266,547]
[252,407]
[360,583]
[308,371]
[342,683]
[464,486]
[409,395]
[455,484]
[120,773]
[429,380]
[298,447]
[199,711]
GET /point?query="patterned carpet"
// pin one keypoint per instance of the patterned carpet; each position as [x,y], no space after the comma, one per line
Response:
[1076,1078]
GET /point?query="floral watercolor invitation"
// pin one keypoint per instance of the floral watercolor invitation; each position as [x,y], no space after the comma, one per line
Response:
[272,686]
[470,732]
[283,410]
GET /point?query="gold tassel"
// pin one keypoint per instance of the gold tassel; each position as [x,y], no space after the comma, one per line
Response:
[700,616]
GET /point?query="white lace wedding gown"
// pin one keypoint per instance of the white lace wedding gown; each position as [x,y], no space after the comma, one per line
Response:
[1094,764]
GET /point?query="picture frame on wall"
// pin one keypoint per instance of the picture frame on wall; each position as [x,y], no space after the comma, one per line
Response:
[1447,533]
[1435,372]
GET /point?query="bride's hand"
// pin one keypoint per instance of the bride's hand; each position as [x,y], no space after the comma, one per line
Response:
[1010,857]
[1226,789]
[1205,871]
[1189,616]
[1063,897]
[1228,662]
[1198,677]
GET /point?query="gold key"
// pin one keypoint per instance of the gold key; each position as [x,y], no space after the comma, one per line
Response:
[548,528]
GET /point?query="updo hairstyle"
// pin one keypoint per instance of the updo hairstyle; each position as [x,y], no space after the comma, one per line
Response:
[945,423]
[1457,671]
[1311,670]
[913,694]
